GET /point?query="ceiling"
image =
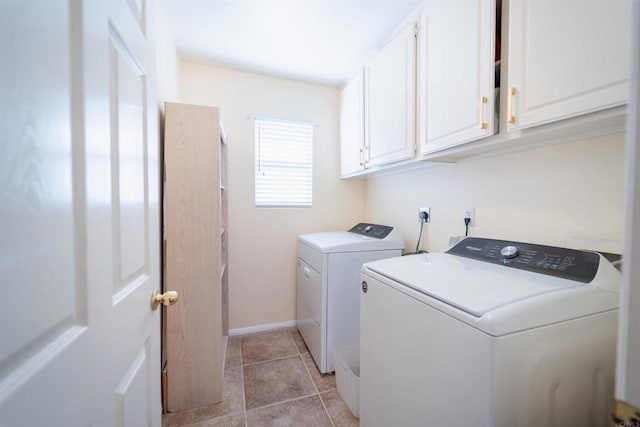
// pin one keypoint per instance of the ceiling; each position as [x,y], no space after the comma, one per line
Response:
[318,41]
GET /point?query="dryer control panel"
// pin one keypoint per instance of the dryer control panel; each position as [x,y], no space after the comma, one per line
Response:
[571,264]
[372,230]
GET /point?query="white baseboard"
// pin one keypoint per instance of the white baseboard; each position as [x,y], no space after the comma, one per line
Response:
[261,328]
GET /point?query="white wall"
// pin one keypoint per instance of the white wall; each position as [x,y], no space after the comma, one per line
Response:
[167,89]
[262,245]
[569,194]
[167,62]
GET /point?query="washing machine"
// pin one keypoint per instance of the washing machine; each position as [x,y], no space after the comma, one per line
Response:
[489,333]
[328,285]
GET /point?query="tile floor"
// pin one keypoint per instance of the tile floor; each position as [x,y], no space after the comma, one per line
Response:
[271,380]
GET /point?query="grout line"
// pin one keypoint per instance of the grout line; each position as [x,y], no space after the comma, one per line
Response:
[326,411]
[244,397]
[273,360]
[293,399]
[277,358]
[298,354]
[308,372]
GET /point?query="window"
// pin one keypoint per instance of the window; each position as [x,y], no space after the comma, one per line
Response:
[284,163]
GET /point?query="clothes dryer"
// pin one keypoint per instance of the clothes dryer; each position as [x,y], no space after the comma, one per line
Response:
[328,285]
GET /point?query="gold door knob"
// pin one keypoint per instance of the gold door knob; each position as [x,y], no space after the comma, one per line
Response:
[168,298]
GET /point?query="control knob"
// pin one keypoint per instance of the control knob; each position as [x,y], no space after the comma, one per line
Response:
[509,252]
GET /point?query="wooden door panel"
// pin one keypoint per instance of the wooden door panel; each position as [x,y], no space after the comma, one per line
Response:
[41,207]
[132,405]
[37,193]
[79,201]
[138,10]
[133,162]
[129,175]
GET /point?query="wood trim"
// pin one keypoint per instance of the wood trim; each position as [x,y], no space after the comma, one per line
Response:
[165,401]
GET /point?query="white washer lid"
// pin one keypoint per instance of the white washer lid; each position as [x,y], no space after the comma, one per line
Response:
[345,241]
[472,286]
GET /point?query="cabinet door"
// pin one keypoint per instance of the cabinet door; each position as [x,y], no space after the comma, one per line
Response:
[390,80]
[457,73]
[566,58]
[352,126]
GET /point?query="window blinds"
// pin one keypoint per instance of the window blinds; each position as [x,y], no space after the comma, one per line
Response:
[284,163]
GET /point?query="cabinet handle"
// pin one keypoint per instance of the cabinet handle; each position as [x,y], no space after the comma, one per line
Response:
[483,124]
[367,155]
[307,273]
[361,160]
[511,117]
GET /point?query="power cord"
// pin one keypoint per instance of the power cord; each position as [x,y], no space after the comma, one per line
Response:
[424,217]
[419,237]
[467,220]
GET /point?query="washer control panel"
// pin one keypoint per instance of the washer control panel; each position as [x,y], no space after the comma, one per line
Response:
[571,264]
[372,230]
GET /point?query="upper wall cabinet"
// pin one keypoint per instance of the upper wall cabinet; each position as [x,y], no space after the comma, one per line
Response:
[566,58]
[390,113]
[352,126]
[378,108]
[456,51]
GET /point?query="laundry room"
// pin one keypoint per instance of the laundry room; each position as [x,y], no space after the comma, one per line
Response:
[560,184]
[557,192]
[371,212]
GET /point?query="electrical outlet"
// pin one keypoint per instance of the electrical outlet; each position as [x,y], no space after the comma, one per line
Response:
[470,213]
[424,214]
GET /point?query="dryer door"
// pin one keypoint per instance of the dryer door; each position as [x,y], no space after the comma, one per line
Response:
[309,306]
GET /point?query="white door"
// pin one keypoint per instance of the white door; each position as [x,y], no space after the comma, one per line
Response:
[566,58]
[628,366]
[456,51]
[79,211]
[390,80]
[352,126]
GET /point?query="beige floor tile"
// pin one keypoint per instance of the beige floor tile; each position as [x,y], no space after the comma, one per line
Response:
[237,420]
[323,382]
[267,346]
[338,410]
[233,356]
[305,412]
[233,402]
[302,347]
[275,381]
[279,377]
